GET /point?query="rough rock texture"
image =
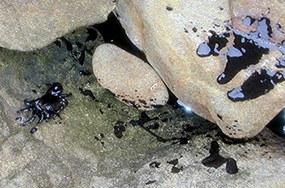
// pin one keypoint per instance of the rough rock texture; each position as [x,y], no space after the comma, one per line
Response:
[132,80]
[81,149]
[169,32]
[28,25]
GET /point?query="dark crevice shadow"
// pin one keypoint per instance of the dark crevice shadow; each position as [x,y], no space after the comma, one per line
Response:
[113,32]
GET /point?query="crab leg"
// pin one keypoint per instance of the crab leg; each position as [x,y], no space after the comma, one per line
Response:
[29,120]
[41,118]
[25,109]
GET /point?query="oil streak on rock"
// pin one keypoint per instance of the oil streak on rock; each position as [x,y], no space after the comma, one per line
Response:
[257,84]
[247,49]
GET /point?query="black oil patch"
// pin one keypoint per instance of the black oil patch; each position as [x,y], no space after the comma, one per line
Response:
[213,46]
[119,128]
[243,53]
[154,164]
[169,8]
[87,92]
[33,130]
[231,166]
[220,117]
[214,159]
[176,170]
[173,162]
[150,182]
[259,83]
[247,49]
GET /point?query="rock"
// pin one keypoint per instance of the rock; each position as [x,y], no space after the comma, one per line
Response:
[241,98]
[128,77]
[29,25]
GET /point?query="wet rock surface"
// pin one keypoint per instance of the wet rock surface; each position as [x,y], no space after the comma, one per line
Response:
[162,148]
[223,61]
[29,25]
[132,80]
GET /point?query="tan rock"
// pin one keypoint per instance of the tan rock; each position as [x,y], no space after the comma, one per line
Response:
[28,25]
[132,80]
[169,32]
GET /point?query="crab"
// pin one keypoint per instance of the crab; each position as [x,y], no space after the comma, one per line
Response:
[45,107]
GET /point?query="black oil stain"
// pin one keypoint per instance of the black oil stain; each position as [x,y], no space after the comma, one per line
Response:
[259,83]
[176,170]
[173,162]
[33,130]
[231,166]
[150,182]
[213,46]
[220,117]
[119,128]
[87,92]
[169,8]
[242,54]
[154,164]
[247,49]
[214,159]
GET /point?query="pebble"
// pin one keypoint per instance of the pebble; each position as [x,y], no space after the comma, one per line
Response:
[132,80]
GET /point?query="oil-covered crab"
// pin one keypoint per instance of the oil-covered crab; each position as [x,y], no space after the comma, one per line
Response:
[45,107]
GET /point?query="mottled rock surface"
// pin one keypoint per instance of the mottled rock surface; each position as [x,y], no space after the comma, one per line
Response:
[161,148]
[28,25]
[131,79]
[169,32]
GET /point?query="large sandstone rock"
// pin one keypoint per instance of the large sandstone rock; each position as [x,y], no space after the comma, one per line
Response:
[28,25]
[128,77]
[169,32]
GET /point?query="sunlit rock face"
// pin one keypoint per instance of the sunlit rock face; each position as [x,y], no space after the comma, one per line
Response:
[28,25]
[224,59]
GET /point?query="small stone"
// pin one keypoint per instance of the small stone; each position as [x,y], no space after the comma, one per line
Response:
[132,80]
